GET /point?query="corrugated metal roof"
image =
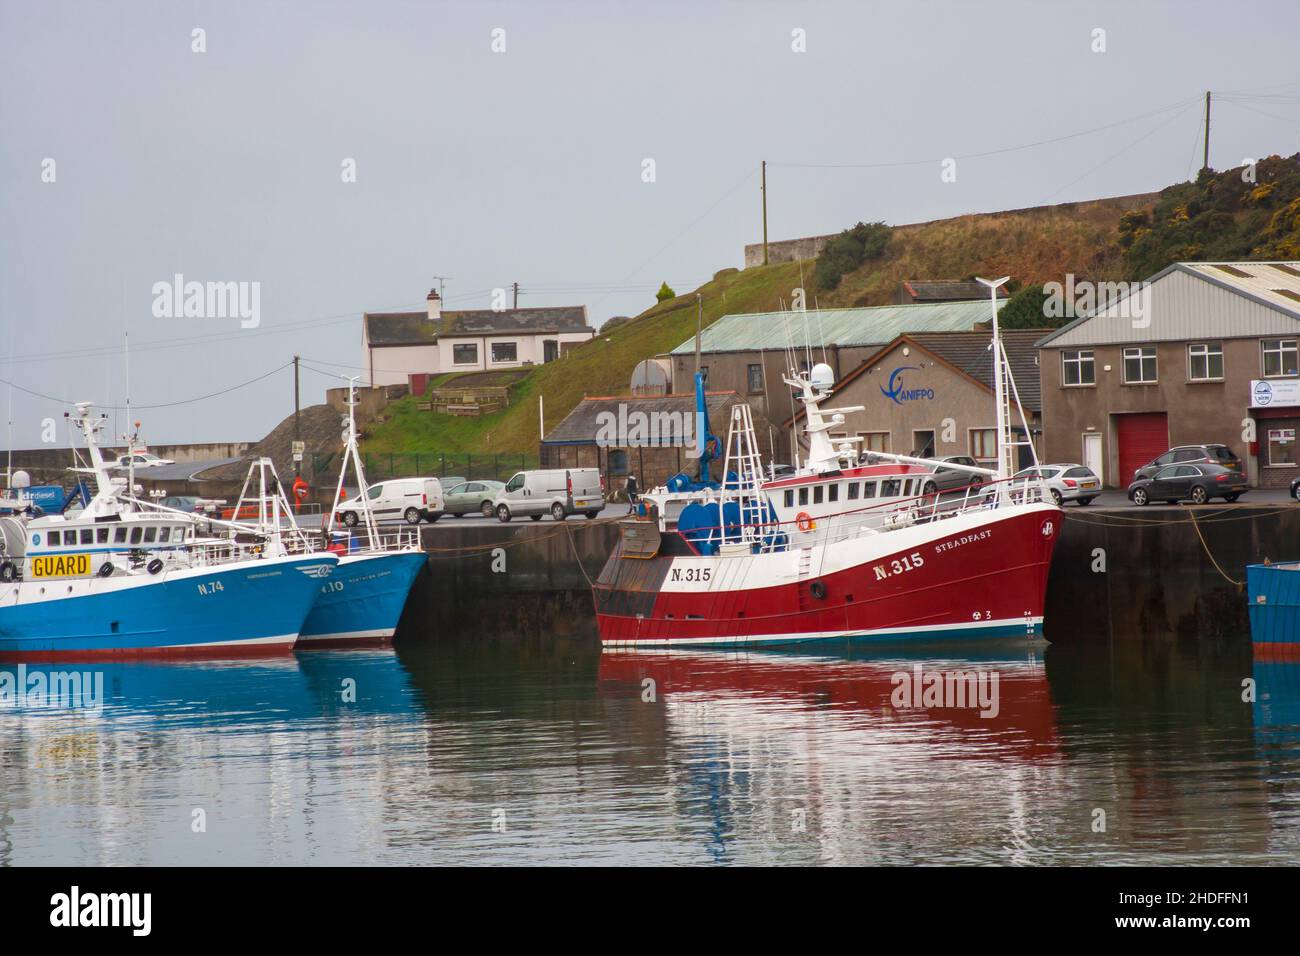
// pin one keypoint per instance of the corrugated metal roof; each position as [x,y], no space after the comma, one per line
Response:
[754,331]
[1195,300]
[949,290]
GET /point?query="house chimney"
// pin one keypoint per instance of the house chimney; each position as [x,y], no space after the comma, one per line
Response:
[435,305]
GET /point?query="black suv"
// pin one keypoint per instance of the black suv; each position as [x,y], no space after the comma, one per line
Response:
[1192,455]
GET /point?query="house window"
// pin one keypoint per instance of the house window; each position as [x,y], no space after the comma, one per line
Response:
[1140,365]
[1078,367]
[1205,361]
[1281,357]
[1281,447]
[755,380]
[505,352]
[874,441]
[984,444]
[464,354]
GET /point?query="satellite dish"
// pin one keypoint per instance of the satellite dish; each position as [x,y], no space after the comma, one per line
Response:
[21,480]
[650,377]
[822,377]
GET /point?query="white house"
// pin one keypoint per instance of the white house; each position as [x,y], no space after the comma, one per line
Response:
[395,345]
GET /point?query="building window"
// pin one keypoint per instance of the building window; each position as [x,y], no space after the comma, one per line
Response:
[1281,357]
[505,352]
[1205,361]
[984,444]
[1140,365]
[1281,447]
[616,462]
[874,441]
[755,380]
[1078,367]
[464,354]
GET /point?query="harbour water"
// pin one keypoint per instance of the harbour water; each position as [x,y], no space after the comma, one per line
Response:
[484,750]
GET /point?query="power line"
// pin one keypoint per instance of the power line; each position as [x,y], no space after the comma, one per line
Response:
[1182,104]
[186,401]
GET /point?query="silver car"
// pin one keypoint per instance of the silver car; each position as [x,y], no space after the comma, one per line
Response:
[1066,482]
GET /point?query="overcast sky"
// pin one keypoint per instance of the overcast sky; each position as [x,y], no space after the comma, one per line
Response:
[527,164]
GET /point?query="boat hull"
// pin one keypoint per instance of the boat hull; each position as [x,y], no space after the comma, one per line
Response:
[247,609]
[981,575]
[1273,604]
[362,601]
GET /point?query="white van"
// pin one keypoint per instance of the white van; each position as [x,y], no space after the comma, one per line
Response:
[558,492]
[408,499]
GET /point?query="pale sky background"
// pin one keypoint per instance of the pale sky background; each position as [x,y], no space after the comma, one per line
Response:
[526,165]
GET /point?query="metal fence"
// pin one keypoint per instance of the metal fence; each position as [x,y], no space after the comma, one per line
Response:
[425,464]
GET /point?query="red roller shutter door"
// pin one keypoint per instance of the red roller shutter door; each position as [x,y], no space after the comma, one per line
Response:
[1142,438]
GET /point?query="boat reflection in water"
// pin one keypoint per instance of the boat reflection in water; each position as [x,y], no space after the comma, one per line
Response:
[809,743]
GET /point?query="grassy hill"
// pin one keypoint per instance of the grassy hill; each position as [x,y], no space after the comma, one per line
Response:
[602,366]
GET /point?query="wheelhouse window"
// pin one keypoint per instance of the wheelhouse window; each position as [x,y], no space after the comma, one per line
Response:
[505,351]
[789,497]
[817,494]
[755,376]
[1078,367]
[1281,358]
[466,354]
[853,491]
[1205,361]
[868,489]
[1281,447]
[803,495]
[1140,365]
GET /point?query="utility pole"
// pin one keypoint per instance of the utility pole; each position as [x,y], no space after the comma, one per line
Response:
[764,189]
[1205,164]
[297,426]
[516,288]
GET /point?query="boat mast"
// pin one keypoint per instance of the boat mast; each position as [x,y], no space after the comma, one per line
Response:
[1000,397]
[351,454]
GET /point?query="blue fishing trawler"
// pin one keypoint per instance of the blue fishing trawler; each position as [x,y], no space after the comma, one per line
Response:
[1273,604]
[117,581]
[361,602]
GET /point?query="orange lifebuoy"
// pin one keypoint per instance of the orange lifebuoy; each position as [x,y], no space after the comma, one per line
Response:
[300,489]
[805,521]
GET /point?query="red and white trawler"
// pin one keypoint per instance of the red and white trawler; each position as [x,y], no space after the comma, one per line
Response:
[837,551]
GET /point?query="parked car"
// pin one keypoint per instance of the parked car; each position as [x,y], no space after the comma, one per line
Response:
[559,492]
[409,499]
[469,497]
[1192,455]
[1195,483]
[1066,482]
[141,460]
[1295,489]
[188,503]
[948,479]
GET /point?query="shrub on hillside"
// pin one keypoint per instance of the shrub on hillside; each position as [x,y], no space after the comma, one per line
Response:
[1220,217]
[665,293]
[1027,309]
[847,251]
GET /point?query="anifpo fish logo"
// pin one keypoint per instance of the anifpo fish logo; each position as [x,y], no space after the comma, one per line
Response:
[897,393]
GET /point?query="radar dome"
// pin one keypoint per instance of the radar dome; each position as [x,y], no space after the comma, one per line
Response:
[822,376]
[21,480]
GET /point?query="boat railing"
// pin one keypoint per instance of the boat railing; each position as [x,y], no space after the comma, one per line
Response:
[880,518]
